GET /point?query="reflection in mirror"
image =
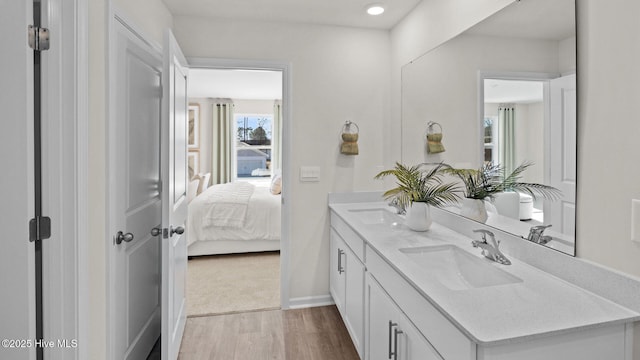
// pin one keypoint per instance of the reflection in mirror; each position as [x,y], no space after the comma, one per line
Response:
[504,91]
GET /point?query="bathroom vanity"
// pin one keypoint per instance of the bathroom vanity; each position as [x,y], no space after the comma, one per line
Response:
[431,295]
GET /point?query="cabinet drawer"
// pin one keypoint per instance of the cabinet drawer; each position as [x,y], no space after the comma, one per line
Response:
[353,240]
[450,342]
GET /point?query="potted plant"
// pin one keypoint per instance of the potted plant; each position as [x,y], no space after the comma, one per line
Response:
[418,189]
[490,180]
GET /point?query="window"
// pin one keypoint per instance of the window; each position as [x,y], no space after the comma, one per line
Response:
[253,145]
[491,139]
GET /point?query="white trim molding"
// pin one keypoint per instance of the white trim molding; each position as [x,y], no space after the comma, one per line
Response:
[310,301]
[65,178]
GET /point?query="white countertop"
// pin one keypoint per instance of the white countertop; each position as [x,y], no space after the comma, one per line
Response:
[540,305]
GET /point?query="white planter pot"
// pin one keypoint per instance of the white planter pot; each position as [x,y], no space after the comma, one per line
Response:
[418,217]
[474,209]
[508,204]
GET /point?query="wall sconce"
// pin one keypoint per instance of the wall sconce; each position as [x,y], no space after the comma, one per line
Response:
[350,132]
[434,138]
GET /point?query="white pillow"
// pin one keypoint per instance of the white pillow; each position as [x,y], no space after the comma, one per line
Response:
[192,189]
[276,184]
[204,182]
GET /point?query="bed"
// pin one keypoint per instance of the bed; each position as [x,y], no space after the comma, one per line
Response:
[236,217]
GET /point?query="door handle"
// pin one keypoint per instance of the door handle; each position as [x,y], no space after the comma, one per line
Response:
[178,230]
[395,345]
[340,268]
[167,232]
[120,237]
[391,325]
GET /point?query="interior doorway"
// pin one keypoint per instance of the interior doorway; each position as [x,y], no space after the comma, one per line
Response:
[236,138]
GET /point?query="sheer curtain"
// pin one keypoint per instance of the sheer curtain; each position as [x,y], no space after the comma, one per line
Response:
[276,141]
[507,119]
[222,146]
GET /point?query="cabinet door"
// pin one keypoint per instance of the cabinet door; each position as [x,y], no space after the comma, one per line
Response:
[379,322]
[411,345]
[391,334]
[336,271]
[354,297]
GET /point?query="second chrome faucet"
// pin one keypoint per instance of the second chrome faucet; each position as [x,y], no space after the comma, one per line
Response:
[490,251]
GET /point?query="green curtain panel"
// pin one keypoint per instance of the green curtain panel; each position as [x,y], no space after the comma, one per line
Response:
[276,142]
[221,165]
[507,118]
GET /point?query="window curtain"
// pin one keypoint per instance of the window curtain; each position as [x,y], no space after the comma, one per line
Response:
[222,145]
[507,119]
[276,140]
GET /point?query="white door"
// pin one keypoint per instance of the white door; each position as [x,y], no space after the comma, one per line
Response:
[134,175]
[174,197]
[562,150]
[17,310]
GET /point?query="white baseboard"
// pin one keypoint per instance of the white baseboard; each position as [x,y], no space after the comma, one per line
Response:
[310,301]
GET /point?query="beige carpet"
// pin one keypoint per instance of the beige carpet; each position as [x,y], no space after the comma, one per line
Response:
[220,284]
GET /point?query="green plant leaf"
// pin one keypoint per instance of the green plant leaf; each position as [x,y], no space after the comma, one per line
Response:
[414,184]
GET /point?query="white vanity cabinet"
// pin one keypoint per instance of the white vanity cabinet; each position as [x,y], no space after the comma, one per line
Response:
[393,310]
[346,282]
[389,332]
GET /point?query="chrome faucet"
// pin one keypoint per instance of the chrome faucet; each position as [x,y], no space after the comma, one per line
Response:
[535,234]
[396,204]
[490,251]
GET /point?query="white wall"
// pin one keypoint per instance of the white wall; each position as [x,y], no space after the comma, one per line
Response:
[608,128]
[337,73]
[567,55]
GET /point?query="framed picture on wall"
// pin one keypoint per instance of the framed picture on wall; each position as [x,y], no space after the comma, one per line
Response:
[193,163]
[194,127]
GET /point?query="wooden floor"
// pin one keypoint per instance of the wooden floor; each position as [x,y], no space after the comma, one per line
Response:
[304,334]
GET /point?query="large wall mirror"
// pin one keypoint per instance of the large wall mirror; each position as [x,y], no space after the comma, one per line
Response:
[504,91]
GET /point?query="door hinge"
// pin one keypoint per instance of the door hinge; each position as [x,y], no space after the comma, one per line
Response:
[38,38]
[39,228]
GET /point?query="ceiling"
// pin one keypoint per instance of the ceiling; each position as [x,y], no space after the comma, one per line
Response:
[235,84]
[326,12]
[512,91]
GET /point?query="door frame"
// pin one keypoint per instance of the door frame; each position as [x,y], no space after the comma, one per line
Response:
[65,74]
[507,75]
[286,69]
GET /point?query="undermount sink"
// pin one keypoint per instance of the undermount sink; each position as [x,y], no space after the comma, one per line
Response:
[457,269]
[376,216]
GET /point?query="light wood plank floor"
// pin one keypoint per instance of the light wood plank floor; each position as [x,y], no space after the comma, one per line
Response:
[304,334]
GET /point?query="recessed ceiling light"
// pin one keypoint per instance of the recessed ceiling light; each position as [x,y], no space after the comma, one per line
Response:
[375,9]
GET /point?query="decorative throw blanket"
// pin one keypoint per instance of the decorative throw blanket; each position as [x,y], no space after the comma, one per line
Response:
[228,204]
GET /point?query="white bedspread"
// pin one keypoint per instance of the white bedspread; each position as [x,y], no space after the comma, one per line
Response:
[227,204]
[261,220]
